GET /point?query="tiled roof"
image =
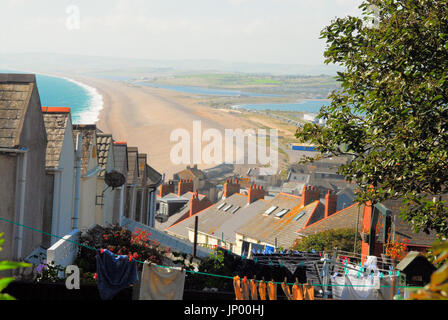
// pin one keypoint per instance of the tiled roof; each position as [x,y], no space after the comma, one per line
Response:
[153,176]
[120,157]
[103,144]
[346,218]
[191,173]
[15,94]
[214,221]
[56,127]
[269,228]
[403,229]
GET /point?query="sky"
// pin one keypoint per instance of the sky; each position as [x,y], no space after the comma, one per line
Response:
[261,31]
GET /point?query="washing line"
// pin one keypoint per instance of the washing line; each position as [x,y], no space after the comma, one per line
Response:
[190,271]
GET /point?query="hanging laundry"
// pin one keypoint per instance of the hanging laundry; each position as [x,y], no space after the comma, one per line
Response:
[262,290]
[272,290]
[237,287]
[253,289]
[308,292]
[372,287]
[114,273]
[297,293]
[287,291]
[161,283]
[245,289]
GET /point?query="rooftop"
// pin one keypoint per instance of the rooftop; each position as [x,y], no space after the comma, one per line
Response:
[56,121]
[15,95]
[103,144]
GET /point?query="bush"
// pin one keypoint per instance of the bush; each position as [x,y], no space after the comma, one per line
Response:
[118,240]
[343,239]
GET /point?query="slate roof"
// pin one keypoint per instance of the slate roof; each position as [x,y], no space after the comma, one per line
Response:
[346,218]
[56,121]
[15,95]
[403,229]
[214,221]
[104,144]
[154,178]
[268,228]
[88,133]
[120,157]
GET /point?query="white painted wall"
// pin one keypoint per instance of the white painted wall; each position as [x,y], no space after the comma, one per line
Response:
[63,193]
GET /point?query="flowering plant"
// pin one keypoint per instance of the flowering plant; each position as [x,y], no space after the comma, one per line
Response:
[120,241]
[396,249]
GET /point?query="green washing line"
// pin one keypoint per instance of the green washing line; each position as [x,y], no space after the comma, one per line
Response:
[191,271]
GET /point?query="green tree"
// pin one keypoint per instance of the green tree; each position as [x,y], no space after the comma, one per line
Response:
[390,114]
[343,239]
[8,265]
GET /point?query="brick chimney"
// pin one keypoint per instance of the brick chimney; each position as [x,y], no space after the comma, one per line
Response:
[255,193]
[184,186]
[230,187]
[166,188]
[195,204]
[331,203]
[309,194]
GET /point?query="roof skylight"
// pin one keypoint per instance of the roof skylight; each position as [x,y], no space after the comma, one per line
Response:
[281,213]
[270,210]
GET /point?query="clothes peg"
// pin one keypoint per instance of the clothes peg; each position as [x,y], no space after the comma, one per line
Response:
[256,260]
[101,250]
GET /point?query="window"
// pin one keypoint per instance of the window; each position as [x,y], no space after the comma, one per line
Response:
[235,209]
[281,213]
[300,215]
[270,210]
[221,205]
[227,208]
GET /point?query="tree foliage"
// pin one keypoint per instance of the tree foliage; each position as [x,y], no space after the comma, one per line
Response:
[390,114]
[343,239]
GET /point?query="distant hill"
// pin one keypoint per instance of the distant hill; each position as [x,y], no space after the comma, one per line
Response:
[116,67]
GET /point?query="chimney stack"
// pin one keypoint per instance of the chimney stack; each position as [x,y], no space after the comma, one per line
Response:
[309,194]
[255,193]
[195,205]
[166,188]
[331,203]
[184,186]
[230,187]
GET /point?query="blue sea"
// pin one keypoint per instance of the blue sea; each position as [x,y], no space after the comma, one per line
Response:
[85,102]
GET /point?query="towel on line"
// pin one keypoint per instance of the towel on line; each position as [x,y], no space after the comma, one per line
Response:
[114,273]
[161,283]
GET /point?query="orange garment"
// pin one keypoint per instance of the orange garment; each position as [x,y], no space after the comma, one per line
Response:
[262,290]
[287,291]
[297,293]
[237,287]
[246,293]
[253,289]
[272,290]
[308,291]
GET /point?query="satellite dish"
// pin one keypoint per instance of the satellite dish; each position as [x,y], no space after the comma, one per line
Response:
[114,179]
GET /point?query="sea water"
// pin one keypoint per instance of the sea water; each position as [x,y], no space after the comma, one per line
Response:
[85,101]
[312,106]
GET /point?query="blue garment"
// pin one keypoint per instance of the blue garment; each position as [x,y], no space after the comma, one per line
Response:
[114,273]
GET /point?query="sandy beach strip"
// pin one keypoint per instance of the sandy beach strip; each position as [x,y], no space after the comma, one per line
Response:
[145,117]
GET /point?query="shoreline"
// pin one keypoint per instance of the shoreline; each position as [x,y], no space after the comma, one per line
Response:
[96,102]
